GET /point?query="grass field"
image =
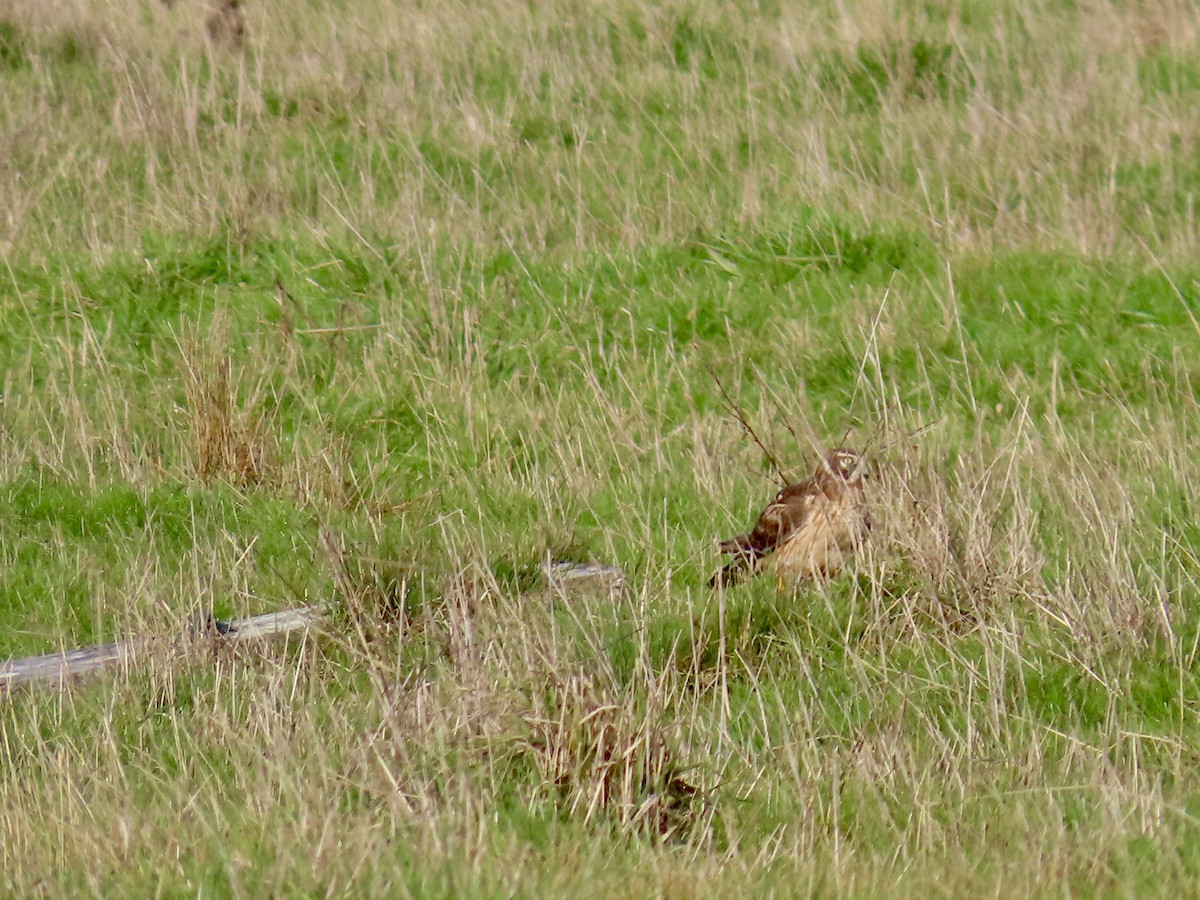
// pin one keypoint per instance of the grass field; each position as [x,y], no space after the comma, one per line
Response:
[455,283]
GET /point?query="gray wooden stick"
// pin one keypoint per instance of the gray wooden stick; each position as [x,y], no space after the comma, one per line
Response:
[60,667]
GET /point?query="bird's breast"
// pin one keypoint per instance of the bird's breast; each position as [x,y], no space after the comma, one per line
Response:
[821,546]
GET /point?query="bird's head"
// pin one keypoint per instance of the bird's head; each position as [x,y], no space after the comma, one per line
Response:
[847,465]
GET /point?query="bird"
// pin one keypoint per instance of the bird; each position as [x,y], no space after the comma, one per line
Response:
[809,531]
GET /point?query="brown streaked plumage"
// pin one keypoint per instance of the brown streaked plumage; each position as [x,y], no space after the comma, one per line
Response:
[808,531]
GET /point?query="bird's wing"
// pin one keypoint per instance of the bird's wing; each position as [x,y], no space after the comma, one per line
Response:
[779,521]
[782,517]
[786,513]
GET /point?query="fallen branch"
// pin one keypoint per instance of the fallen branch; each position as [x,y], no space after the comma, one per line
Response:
[741,417]
[59,667]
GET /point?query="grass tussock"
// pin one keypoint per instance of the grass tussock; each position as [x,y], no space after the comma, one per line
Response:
[230,438]
[607,759]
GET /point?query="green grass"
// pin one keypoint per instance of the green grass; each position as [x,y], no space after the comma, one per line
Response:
[457,286]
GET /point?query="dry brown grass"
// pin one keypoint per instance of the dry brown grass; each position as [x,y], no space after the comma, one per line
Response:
[439,290]
[230,432]
[1052,121]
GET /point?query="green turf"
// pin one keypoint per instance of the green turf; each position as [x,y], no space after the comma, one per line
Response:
[465,289]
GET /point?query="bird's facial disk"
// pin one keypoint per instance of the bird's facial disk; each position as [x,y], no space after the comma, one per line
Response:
[848,465]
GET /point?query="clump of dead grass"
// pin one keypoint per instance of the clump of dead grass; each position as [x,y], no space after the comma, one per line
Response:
[226,26]
[608,757]
[508,692]
[958,544]
[230,432]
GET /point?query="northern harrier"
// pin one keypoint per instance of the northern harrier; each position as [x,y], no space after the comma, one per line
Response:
[810,529]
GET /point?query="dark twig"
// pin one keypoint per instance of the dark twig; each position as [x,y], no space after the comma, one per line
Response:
[870,440]
[791,430]
[741,417]
[783,416]
[912,434]
[808,438]
[287,305]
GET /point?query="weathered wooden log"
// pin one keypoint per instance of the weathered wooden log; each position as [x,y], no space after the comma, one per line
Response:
[60,667]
